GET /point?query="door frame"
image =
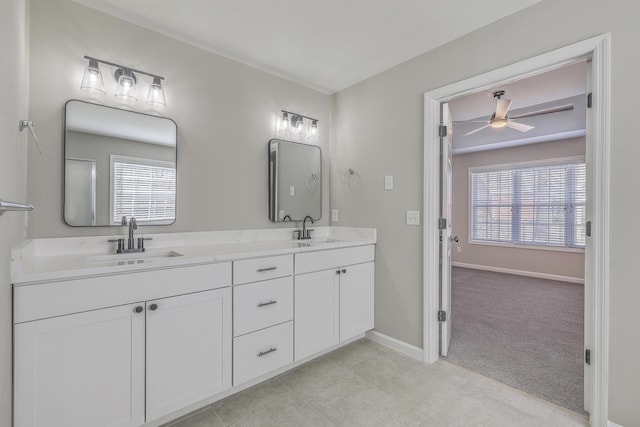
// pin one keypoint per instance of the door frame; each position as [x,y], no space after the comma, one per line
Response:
[598,51]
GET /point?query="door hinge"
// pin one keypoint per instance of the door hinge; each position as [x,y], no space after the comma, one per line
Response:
[442,131]
[587,229]
[442,316]
[587,356]
[590,100]
[442,223]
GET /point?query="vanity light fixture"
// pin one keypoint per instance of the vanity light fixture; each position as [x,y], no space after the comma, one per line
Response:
[126,82]
[92,78]
[296,125]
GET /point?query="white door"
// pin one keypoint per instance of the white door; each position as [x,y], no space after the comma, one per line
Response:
[356,300]
[316,325]
[445,233]
[81,370]
[188,350]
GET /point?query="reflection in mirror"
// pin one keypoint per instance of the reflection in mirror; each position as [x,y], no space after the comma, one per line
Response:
[118,163]
[295,181]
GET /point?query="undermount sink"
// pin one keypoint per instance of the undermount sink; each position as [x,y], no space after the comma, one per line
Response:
[135,256]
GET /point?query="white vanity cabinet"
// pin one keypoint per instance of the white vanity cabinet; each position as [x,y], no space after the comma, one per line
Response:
[262,316]
[334,297]
[127,364]
[188,350]
[81,369]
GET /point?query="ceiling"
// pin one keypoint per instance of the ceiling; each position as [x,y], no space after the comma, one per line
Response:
[566,85]
[325,45]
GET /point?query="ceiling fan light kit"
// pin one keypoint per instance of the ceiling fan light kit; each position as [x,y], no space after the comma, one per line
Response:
[499,119]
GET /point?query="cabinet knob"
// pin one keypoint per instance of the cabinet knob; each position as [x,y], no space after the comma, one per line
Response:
[138,309]
[344,270]
[337,271]
[153,306]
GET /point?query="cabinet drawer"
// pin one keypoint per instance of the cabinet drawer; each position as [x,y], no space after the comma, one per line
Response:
[261,352]
[262,304]
[252,270]
[331,258]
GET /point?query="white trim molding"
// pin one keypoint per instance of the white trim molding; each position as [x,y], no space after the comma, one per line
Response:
[612,424]
[519,272]
[395,344]
[597,50]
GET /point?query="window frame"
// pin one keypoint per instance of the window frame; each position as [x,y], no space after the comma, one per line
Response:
[510,166]
[117,158]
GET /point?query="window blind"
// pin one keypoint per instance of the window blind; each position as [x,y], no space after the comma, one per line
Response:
[144,191]
[536,205]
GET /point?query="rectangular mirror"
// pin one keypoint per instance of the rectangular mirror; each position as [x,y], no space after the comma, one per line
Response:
[295,181]
[118,163]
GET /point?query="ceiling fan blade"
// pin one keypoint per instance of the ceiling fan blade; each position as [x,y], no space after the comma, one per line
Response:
[471,121]
[477,130]
[519,126]
[502,108]
[567,107]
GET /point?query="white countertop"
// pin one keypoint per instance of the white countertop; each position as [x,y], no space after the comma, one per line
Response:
[45,260]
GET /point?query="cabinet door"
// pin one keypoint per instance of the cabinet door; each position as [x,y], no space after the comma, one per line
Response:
[316,312]
[84,369]
[188,350]
[356,300]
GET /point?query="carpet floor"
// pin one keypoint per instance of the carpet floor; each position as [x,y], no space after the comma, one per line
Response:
[522,331]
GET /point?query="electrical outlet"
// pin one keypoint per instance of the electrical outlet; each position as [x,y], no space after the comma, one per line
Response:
[413,217]
[458,249]
[334,215]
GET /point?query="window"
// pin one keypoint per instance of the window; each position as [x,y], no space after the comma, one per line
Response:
[144,189]
[533,204]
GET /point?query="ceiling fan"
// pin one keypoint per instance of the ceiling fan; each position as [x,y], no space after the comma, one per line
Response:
[500,119]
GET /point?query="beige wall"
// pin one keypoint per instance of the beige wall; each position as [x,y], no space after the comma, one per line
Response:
[378,130]
[225,112]
[568,264]
[13,107]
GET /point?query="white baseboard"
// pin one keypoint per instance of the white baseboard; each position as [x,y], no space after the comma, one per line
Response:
[395,344]
[520,272]
[612,424]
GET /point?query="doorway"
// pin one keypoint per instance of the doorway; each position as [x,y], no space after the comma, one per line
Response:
[596,51]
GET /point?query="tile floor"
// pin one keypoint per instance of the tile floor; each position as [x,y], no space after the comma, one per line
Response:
[366,384]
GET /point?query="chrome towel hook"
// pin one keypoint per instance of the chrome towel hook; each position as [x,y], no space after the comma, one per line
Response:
[29,124]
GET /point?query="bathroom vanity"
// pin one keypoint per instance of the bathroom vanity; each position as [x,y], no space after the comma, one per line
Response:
[106,339]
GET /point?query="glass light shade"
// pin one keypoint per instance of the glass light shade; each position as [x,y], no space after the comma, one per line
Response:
[313,131]
[92,79]
[126,86]
[298,129]
[156,93]
[285,124]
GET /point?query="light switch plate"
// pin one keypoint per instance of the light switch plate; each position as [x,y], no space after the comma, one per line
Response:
[388,182]
[292,191]
[334,215]
[413,217]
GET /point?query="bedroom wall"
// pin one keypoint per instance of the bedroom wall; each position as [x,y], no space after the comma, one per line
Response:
[378,130]
[568,265]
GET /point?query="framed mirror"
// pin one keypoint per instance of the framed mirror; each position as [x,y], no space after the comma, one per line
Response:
[118,163]
[295,181]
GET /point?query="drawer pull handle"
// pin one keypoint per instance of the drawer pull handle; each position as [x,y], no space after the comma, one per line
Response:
[263,304]
[262,270]
[264,353]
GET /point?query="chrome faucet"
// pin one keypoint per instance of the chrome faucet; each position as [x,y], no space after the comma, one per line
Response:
[306,233]
[133,225]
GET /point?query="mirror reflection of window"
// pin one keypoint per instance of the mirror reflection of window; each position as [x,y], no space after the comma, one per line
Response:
[142,188]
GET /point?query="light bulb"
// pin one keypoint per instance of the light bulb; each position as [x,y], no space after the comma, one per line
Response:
[156,93]
[298,130]
[285,124]
[126,86]
[313,131]
[92,79]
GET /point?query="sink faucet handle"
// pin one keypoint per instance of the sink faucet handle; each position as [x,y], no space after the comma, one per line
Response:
[141,242]
[120,243]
